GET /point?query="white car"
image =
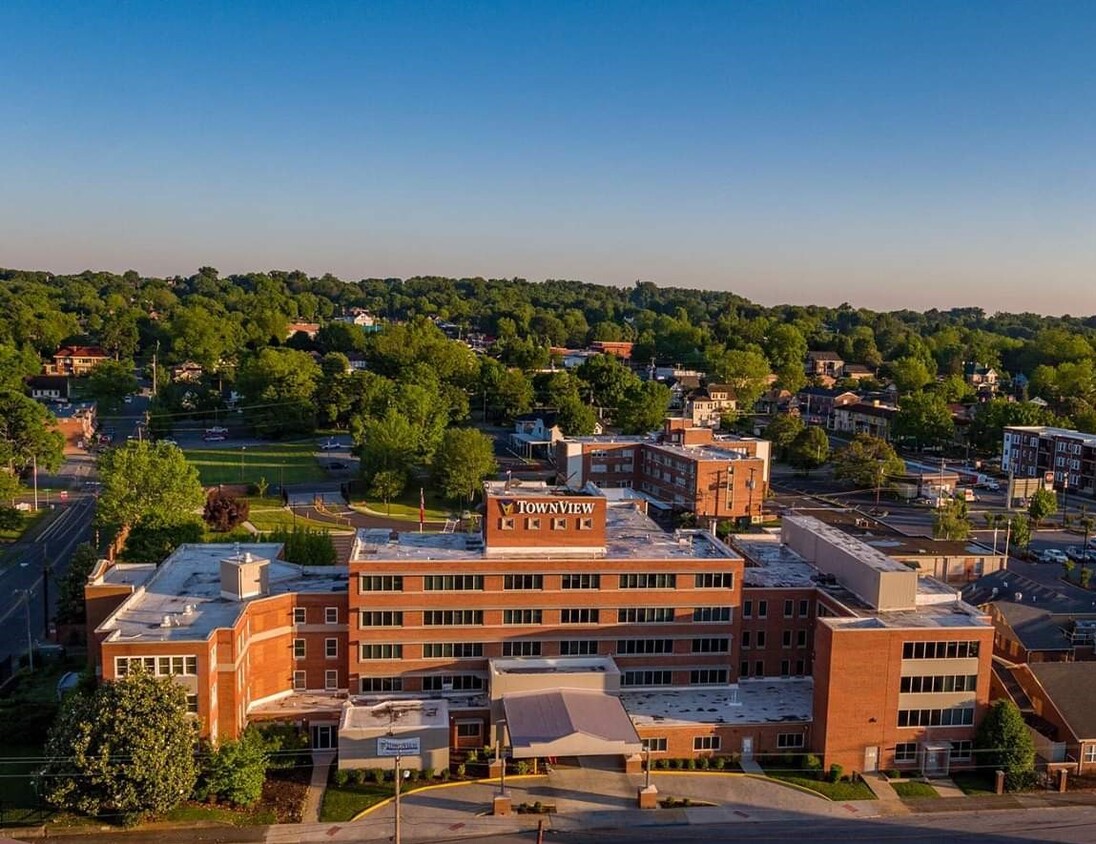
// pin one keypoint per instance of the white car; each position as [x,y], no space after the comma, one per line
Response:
[1055,555]
[330,445]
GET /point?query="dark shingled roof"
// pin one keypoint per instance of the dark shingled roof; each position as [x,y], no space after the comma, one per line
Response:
[1072,687]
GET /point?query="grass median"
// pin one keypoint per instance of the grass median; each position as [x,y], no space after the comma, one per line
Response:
[278,463]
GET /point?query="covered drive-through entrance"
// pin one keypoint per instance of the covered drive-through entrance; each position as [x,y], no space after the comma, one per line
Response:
[568,722]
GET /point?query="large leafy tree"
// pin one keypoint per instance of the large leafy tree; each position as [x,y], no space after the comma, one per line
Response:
[110,382]
[28,432]
[279,388]
[867,462]
[786,349]
[390,443]
[643,407]
[809,450]
[70,601]
[747,371]
[1042,504]
[1003,742]
[464,459]
[910,374]
[144,482]
[782,431]
[951,521]
[125,750]
[609,380]
[925,419]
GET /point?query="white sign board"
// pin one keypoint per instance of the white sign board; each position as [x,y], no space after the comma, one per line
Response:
[388,746]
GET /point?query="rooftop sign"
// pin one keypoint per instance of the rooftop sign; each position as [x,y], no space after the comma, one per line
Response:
[522,507]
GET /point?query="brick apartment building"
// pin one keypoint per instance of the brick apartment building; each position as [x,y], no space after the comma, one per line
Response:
[685,469]
[570,602]
[1040,451]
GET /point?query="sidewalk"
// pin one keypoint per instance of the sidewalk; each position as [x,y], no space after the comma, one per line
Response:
[321,769]
[889,801]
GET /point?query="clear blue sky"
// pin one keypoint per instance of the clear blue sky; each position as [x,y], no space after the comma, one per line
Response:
[889,154]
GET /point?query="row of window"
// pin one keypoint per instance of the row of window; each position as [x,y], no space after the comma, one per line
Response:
[785,668]
[958,717]
[659,744]
[161,666]
[527,582]
[790,609]
[906,751]
[940,683]
[556,523]
[578,615]
[330,681]
[939,650]
[525,647]
[330,648]
[330,615]
[758,639]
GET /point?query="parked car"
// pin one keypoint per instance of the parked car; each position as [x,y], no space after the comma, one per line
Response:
[330,445]
[169,441]
[1054,555]
[1081,555]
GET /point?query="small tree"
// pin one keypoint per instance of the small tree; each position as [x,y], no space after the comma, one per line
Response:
[10,518]
[388,484]
[1085,577]
[1004,743]
[1042,505]
[223,512]
[1067,569]
[951,521]
[124,750]
[464,458]
[235,770]
[782,431]
[809,450]
[70,601]
[261,487]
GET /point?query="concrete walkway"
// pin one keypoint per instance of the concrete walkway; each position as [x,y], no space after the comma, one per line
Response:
[889,801]
[321,769]
[946,787]
[750,766]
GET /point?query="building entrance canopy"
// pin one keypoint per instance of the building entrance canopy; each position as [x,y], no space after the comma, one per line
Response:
[568,722]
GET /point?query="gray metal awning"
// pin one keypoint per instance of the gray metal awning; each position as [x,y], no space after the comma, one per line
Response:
[568,722]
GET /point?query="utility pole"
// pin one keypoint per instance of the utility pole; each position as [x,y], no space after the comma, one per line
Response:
[30,640]
[34,457]
[154,356]
[46,571]
[396,837]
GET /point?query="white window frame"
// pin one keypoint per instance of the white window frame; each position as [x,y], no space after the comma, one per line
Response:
[330,615]
[331,648]
[300,649]
[300,681]
[300,615]
[331,679]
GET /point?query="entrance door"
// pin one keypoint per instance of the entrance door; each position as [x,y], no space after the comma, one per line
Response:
[323,737]
[871,759]
[747,748]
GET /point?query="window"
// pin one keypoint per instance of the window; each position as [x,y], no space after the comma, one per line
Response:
[506,523]
[959,717]
[581,615]
[382,651]
[331,648]
[1090,753]
[746,635]
[578,647]
[714,580]
[762,609]
[330,615]
[789,741]
[645,646]
[452,683]
[939,683]
[380,583]
[381,618]
[559,523]
[759,668]
[706,743]
[581,581]
[800,667]
[532,524]
[655,745]
[804,609]
[523,581]
[300,615]
[438,618]
[521,648]
[747,609]
[585,523]
[646,678]
[905,752]
[522,616]
[648,581]
[744,668]
[801,638]
[788,605]
[452,582]
[381,684]
[708,676]
[330,680]
[711,646]
[785,667]
[645,615]
[453,650]
[299,683]
[469,729]
[164,666]
[939,650]
[298,649]
[707,614]
[192,704]
[786,639]
[760,638]
[961,751]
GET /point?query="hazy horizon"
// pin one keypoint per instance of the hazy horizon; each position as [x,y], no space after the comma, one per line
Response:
[887,155]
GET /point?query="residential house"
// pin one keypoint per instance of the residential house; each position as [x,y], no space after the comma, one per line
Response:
[621,349]
[1060,696]
[724,396]
[816,404]
[825,364]
[358,317]
[857,372]
[48,388]
[76,360]
[983,378]
[861,417]
[536,433]
[701,410]
[309,329]
[187,372]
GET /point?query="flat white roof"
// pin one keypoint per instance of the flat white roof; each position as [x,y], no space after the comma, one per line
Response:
[397,714]
[764,700]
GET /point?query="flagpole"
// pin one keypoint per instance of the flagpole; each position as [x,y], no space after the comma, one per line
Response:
[422,509]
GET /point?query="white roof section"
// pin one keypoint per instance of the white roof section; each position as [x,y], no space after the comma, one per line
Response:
[763,700]
[399,715]
[555,665]
[1050,431]
[185,590]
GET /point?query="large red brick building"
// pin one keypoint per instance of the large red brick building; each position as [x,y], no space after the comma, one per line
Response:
[576,606]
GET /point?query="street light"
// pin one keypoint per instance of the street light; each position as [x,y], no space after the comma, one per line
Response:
[647,765]
[500,757]
[243,448]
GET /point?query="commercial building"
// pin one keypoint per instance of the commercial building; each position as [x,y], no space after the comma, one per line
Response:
[570,624]
[684,468]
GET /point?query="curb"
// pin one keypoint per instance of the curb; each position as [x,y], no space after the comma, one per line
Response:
[486,781]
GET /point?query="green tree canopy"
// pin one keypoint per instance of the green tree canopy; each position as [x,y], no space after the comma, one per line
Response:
[643,407]
[925,419]
[124,750]
[910,374]
[782,431]
[1042,504]
[745,370]
[951,521]
[390,443]
[810,449]
[110,382]
[867,462]
[1003,742]
[145,482]
[28,432]
[463,460]
[279,388]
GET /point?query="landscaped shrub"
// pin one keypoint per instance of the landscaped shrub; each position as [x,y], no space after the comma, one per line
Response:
[428,773]
[462,771]
[358,775]
[719,763]
[377,775]
[690,764]
[893,774]
[341,777]
[523,767]
[812,763]
[835,772]
[473,757]
[673,764]
[702,763]
[443,774]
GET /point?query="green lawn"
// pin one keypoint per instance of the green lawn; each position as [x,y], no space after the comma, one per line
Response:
[342,802]
[407,506]
[268,514]
[912,788]
[29,518]
[20,803]
[197,812]
[974,783]
[839,791]
[289,463]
